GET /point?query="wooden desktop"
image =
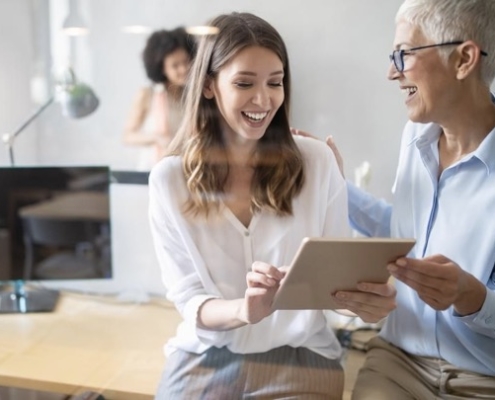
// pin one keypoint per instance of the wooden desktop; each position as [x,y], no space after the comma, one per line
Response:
[99,344]
[89,343]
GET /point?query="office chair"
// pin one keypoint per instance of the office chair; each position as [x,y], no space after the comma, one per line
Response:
[61,249]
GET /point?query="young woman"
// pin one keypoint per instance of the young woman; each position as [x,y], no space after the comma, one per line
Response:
[157,110]
[231,205]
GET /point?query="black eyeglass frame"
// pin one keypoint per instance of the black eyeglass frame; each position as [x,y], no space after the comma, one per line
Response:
[397,56]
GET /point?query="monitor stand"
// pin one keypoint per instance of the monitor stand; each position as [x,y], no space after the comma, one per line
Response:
[22,301]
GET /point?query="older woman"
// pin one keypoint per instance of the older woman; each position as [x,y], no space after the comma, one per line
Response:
[440,341]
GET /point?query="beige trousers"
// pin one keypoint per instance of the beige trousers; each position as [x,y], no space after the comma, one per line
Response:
[391,374]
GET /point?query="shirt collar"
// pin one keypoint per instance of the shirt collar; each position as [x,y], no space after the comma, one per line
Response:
[428,134]
[485,151]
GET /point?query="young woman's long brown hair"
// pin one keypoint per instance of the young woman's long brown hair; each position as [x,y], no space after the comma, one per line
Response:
[278,166]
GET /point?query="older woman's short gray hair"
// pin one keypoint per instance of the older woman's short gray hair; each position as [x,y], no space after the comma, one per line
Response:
[449,20]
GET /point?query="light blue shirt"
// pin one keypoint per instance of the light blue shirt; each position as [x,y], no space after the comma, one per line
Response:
[453,215]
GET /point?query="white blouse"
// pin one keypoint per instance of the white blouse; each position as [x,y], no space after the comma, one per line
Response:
[203,258]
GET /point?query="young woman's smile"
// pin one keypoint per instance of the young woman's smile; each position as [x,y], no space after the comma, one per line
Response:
[248,92]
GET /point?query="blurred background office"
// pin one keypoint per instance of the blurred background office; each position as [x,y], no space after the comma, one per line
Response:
[338,50]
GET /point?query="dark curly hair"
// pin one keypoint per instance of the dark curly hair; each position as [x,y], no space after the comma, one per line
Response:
[159,45]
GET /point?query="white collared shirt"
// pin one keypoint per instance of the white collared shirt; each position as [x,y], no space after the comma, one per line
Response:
[203,258]
[453,215]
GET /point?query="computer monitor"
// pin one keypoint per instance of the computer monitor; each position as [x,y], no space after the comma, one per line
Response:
[54,225]
[136,275]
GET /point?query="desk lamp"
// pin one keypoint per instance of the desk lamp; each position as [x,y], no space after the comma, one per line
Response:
[76,99]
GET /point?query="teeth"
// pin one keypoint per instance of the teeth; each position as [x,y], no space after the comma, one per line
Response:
[409,90]
[256,116]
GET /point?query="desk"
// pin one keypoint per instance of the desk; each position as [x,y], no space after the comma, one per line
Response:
[94,343]
[88,343]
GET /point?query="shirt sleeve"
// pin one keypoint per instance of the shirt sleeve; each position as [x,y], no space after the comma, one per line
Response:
[368,215]
[483,321]
[181,270]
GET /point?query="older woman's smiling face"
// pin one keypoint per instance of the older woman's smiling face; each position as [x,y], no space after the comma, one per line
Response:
[426,80]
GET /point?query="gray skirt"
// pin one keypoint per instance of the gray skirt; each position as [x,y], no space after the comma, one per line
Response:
[281,373]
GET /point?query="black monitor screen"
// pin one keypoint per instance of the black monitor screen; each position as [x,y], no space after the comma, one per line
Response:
[55,223]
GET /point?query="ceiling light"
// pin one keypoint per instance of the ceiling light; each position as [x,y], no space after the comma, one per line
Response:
[136,29]
[202,30]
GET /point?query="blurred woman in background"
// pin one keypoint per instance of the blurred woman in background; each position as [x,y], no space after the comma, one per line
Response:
[157,109]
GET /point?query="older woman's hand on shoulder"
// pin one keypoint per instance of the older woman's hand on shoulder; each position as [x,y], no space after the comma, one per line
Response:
[330,143]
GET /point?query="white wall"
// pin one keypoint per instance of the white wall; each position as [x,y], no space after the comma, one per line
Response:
[16,67]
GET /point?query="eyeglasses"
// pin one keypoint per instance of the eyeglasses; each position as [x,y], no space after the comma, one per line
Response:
[397,56]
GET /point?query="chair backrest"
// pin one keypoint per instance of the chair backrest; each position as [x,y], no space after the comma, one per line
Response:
[53,232]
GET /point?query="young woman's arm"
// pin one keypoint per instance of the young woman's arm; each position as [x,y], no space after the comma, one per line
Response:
[188,282]
[263,281]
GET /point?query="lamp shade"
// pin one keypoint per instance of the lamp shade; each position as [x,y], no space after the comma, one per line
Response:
[78,101]
[74,24]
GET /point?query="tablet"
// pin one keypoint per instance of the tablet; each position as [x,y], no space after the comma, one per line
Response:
[323,266]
